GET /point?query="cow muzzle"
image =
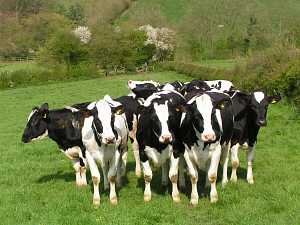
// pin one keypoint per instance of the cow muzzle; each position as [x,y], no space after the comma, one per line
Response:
[166,138]
[109,140]
[206,137]
[262,123]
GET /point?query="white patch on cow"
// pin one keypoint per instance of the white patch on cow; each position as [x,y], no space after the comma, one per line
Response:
[31,114]
[225,84]
[158,158]
[259,96]
[219,118]
[72,153]
[42,136]
[157,96]
[162,113]
[132,83]
[168,87]
[182,117]
[71,108]
[111,102]
[205,107]
[91,105]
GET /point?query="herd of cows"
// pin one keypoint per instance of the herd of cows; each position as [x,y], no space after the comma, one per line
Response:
[179,127]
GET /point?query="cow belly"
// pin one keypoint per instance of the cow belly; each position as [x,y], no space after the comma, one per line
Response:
[198,155]
[156,157]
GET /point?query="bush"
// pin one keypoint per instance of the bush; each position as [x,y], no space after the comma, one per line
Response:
[63,48]
[195,71]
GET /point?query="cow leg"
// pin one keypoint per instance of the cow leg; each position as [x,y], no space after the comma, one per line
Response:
[77,167]
[234,162]
[95,177]
[164,174]
[213,173]
[181,173]
[136,154]
[105,179]
[194,178]
[112,177]
[224,160]
[82,168]
[121,171]
[147,177]
[250,158]
[173,175]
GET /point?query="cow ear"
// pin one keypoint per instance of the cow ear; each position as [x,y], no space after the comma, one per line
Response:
[86,112]
[44,110]
[274,99]
[118,110]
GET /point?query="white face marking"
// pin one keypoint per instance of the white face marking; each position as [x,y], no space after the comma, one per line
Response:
[259,96]
[31,114]
[104,115]
[205,107]
[162,113]
[157,95]
[42,136]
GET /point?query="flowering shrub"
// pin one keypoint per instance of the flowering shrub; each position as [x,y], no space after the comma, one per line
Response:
[162,38]
[83,33]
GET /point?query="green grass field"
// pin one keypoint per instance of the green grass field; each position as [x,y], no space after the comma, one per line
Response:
[37,182]
[14,66]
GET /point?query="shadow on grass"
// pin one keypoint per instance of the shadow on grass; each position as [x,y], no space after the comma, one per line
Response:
[59,175]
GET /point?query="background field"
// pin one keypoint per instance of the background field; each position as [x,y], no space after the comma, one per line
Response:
[37,183]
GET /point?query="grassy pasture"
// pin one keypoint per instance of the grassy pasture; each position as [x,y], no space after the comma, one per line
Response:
[14,66]
[37,182]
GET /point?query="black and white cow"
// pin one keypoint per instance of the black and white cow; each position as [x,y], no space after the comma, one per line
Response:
[250,111]
[206,127]
[221,85]
[64,127]
[195,85]
[158,127]
[130,105]
[105,136]
[143,89]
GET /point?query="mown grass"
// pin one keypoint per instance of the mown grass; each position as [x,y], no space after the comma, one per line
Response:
[37,183]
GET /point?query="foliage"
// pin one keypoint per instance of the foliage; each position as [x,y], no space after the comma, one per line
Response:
[113,49]
[63,48]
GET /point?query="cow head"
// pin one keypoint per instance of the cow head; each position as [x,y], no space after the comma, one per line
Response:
[203,113]
[104,116]
[36,127]
[163,110]
[143,89]
[259,103]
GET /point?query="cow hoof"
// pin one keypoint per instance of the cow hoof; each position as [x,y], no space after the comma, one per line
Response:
[96,202]
[214,199]
[233,179]
[114,201]
[194,202]
[147,198]
[250,181]
[138,173]
[224,183]
[176,198]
